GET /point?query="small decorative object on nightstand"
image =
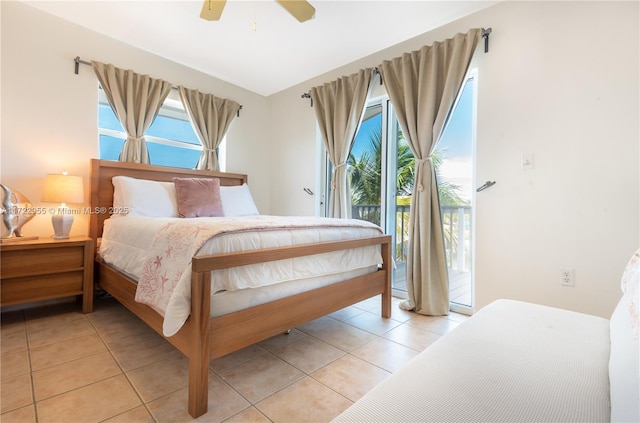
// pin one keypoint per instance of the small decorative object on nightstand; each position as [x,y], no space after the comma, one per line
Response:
[63,189]
[47,268]
[16,210]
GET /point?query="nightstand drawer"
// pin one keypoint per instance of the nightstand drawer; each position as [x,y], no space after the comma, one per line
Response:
[46,268]
[41,260]
[41,287]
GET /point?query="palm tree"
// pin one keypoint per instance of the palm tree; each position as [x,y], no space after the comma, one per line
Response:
[365,174]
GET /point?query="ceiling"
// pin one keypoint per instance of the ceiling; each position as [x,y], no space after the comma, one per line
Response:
[280,52]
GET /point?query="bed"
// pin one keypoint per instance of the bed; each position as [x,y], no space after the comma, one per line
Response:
[520,362]
[205,333]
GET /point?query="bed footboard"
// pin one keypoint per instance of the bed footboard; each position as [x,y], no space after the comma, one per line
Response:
[231,332]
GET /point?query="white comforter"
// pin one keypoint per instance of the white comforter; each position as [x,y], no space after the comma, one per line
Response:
[157,253]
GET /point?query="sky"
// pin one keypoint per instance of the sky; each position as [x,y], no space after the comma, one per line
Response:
[457,143]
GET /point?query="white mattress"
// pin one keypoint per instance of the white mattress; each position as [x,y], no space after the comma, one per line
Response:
[511,362]
[126,242]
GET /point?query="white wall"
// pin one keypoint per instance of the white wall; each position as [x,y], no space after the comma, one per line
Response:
[569,95]
[561,82]
[49,114]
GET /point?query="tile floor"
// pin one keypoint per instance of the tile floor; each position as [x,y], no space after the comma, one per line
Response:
[59,365]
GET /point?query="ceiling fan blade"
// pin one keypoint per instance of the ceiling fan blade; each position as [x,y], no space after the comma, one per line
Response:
[212,9]
[300,9]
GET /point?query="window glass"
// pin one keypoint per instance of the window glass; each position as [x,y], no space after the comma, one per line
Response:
[169,155]
[110,147]
[171,140]
[454,165]
[380,173]
[364,166]
[173,128]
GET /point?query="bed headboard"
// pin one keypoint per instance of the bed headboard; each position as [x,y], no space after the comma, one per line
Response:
[102,189]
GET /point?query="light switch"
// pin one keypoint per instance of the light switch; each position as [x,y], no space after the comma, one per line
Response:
[527,160]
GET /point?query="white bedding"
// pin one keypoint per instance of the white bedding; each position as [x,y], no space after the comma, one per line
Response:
[510,362]
[127,244]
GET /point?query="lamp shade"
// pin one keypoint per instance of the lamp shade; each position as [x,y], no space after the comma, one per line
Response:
[63,189]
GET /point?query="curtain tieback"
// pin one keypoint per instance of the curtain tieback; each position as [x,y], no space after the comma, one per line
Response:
[335,171]
[208,150]
[420,162]
[136,141]
[136,147]
[132,138]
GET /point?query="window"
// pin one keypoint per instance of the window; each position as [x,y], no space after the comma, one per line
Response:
[171,140]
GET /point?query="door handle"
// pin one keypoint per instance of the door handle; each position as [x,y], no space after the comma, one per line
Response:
[486,185]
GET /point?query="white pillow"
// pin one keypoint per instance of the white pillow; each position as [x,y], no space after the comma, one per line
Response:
[237,201]
[142,197]
[624,358]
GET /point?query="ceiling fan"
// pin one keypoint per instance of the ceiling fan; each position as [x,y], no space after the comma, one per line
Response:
[299,9]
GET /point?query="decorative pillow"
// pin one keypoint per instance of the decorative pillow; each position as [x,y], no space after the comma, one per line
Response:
[237,201]
[624,359]
[143,197]
[198,197]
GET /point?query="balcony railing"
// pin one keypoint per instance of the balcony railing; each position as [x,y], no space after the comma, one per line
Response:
[456,224]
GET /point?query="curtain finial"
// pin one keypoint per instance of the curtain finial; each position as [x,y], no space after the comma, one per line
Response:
[77,61]
[485,35]
[307,95]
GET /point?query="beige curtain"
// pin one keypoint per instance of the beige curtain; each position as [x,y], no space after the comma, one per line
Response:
[339,107]
[210,117]
[422,86]
[135,100]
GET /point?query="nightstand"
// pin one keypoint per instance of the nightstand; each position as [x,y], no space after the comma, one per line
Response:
[46,268]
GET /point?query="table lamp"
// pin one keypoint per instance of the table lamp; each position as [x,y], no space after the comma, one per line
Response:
[63,189]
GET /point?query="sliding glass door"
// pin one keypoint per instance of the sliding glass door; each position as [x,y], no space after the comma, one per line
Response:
[381,179]
[455,160]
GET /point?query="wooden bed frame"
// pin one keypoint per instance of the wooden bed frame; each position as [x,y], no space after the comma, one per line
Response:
[203,338]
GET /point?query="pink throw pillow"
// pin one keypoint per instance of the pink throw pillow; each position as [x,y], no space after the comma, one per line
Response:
[198,197]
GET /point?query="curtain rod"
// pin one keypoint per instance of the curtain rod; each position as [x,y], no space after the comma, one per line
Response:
[376,71]
[485,34]
[77,61]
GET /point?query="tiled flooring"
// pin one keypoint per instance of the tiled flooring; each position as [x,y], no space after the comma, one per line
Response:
[59,365]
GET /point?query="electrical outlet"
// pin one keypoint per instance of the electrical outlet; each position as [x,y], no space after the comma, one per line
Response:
[567,278]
